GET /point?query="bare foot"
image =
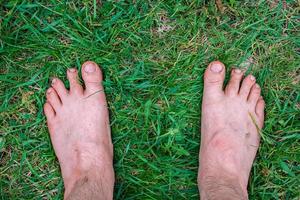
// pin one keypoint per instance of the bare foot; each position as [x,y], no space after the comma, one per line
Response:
[79,128]
[231,121]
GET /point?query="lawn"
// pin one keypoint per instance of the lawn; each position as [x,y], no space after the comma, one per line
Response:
[153,54]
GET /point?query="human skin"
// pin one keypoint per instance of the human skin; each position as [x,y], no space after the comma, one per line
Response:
[78,124]
[79,128]
[230,125]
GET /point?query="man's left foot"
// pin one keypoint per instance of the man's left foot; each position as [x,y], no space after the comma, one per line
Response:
[230,124]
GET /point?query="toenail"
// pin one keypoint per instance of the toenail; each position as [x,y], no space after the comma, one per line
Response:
[89,68]
[49,91]
[238,71]
[53,80]
[257,86]
[252,78]
[72,70]
[216,67]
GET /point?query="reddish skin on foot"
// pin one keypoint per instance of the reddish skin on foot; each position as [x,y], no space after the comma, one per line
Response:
[79,128]
[230,124]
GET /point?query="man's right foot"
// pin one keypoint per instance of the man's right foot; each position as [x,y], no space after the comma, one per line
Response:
[79,128]
[230,125]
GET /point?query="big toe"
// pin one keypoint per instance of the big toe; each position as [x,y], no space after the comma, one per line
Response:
[92,76]
[213,80]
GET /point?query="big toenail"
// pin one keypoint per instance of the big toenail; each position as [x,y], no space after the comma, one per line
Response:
[72,70]
[252,78]
[89,68]
[238,71]
[216,67]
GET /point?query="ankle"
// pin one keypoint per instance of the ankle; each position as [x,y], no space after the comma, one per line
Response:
[221,186]
[100,179]
[75,177]
[90,186]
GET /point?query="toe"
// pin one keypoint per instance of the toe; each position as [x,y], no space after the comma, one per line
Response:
[234,83]
[92,76]
[259,110]
[49,111]
[53,99]
[60,88]
[213,80]
[246,86]
[75,87]
[254,95]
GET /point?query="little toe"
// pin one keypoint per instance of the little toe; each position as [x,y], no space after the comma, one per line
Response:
[254,95]
[92,76]
[213,81]
[234,83]
[75,87]
[259,110]
[49,111]
[246,86]
[59,87]
[53,99]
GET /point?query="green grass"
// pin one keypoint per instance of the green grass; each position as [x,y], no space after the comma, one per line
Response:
[153,55]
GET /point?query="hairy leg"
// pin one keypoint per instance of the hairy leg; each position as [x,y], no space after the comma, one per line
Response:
[86,188]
